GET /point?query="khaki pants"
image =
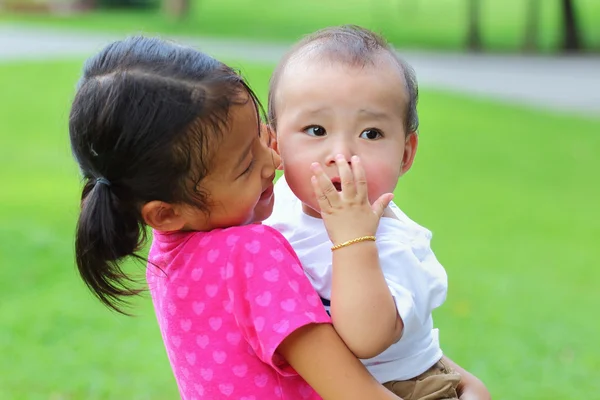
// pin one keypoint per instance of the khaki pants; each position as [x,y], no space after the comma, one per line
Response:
[437,383]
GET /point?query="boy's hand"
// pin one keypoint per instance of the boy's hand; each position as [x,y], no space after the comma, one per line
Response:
[347,214]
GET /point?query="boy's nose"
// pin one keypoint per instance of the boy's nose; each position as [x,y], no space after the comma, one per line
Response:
[346,151]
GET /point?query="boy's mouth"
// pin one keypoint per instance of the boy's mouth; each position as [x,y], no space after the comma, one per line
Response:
[337,184]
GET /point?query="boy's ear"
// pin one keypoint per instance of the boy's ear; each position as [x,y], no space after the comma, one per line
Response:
[274,145]
[410,150]
[162,216]
[272,138]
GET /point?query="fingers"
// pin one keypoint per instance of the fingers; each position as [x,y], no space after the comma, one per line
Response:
[360,179]
[346,177]
[381,204]
[353,184]
[327,195]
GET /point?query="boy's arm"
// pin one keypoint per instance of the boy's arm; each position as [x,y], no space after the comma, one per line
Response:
[363,310]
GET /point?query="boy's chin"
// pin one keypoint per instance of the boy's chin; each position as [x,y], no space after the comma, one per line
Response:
[310,211]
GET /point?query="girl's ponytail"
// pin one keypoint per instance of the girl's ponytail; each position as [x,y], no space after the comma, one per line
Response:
[108,230]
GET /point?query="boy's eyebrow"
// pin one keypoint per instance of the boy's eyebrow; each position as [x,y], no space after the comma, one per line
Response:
[314,111]
[373,113]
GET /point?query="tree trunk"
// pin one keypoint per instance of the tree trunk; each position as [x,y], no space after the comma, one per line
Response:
[571,32]
[530,42]
[177,9]
[473,30]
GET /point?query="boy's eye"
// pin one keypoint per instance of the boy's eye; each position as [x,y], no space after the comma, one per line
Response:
[315,130]
[371,134]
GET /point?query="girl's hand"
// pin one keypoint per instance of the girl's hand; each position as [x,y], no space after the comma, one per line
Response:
[347,214]
[470,387]
[474,390]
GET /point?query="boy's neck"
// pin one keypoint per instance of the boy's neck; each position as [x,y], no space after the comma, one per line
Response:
[310,212]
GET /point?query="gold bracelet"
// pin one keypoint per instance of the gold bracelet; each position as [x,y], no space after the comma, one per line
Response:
[353,241]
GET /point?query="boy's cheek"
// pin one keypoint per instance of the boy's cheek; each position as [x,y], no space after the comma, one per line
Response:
[296,161]
[382,179]
[300,185]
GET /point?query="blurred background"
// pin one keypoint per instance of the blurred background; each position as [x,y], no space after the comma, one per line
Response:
[507,177]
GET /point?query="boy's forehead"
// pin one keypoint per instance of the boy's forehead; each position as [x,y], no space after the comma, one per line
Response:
[298,72]
[311,59]
[381,93]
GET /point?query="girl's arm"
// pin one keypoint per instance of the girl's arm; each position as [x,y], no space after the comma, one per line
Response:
[318,354]
[470,387]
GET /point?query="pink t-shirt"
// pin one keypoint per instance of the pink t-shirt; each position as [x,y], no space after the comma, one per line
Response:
[224,301]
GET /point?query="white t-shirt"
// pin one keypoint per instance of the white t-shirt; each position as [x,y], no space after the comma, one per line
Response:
[417,281]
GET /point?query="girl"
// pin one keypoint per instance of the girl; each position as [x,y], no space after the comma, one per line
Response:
[170,138]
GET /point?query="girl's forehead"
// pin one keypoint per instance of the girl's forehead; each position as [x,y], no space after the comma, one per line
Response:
[243,126]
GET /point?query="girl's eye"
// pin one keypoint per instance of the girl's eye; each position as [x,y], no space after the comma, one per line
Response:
[315,130]
[249,169]
[371,134]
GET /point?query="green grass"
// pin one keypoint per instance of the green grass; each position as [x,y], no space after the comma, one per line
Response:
[432,24]
[511,195]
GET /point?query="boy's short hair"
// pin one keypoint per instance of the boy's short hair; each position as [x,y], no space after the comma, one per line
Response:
[355,46]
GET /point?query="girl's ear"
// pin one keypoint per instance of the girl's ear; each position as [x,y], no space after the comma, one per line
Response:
[162,216]
[410,150]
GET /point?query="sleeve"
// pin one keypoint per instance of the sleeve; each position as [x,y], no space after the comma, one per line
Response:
[271,296]
[418,287]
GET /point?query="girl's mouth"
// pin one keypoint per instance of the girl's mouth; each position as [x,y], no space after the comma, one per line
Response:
[267,193]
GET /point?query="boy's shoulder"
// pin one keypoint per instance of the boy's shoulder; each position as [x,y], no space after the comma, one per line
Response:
[286,207]
[402,226]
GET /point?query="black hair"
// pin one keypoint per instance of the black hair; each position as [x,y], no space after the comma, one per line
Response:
[352,45]
[142,127]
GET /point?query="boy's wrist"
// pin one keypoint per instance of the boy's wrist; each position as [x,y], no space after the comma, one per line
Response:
[340,236]
[350,242]
[360,255]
